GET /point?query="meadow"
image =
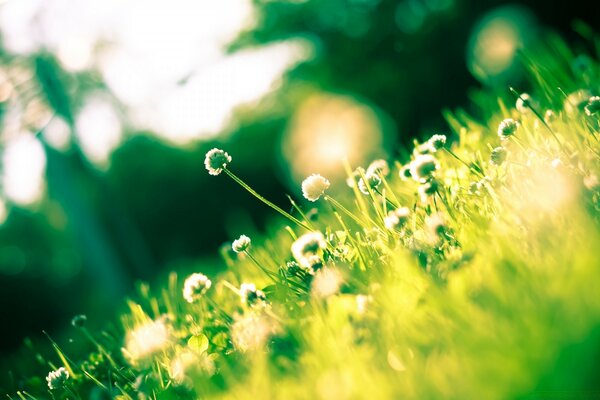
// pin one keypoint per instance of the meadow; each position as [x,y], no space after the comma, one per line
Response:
[467,270]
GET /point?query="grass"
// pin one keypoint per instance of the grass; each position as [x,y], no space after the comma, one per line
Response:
[487,289]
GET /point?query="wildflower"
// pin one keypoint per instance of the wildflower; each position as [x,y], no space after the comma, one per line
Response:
[314,187]
[397,218]
[422,167]
[307,250]
[216,160]
[250,295]
[241,244]
[405,173]
[353,179]
[507,128]
[474,187]
[378,167]
[195,286]
[326,283]
[436,226]
[372,181]
[498,155]
[188,363]
[593,105]
[252,330]
[58,378]
[576,101]
[437,142]
[146,340]
[428,189]
[524,103]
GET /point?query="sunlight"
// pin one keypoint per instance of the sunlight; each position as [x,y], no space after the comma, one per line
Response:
[24,163]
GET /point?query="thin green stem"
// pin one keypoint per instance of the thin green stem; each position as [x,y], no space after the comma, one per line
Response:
[267,202]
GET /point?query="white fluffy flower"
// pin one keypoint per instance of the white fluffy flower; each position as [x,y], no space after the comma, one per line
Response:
[593,106]
[423,166]
[326,282]
[146,340]
[437,142]
[379,167]
[57,379]
[524,103]
[216,160]
[372,181]
[195,286]
[311,243]
[507,128]
[314,186]
[241,244]
[252,330]
[250,295]
[397,219]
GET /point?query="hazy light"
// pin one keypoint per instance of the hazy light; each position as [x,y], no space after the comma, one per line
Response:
[495,41]
[24,164]
[3,211]
[327,128]
[98,129]
[57,134]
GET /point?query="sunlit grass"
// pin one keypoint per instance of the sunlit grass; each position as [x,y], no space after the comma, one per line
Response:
[469,271]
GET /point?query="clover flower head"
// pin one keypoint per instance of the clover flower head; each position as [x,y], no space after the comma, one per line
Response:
[252,330]
[79,321]
[498,155]
[436,226]
[314,187]
[310,243]
[378,167]
[437,142]
[216,160]
[250,295]
[576,101]
[352,180]
[372,181]
[593,106]
[524,103]
[241,244]
[58,378]
[326,282]
[195,286]
[146,340]
[507,128]
[396,219]
[428,189]
[405,173]
[423,166]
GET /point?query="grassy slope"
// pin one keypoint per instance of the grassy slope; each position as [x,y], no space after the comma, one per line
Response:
[503,303]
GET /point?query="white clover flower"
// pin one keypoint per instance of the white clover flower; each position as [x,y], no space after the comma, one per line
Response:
[378,167]
[372,181]
[422,167]
[405,173]
[314,187]
[498,155]
[252,331]
[249,295]
[326,282]
[311,243]
[437,142]
[524,103]
[428,189]
[57,379]
[188,363]
[146,340]
[216,160]
[593,106]
[436,226]
[353,179]
[576,101]
[397,218]
[195,286]
[507,128]
[241,244]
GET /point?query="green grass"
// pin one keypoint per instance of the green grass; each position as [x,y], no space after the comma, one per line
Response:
[490,289]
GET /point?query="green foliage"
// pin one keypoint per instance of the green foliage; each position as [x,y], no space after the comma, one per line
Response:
[486,288]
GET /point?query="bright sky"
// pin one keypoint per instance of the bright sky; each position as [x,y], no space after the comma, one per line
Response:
[162,59]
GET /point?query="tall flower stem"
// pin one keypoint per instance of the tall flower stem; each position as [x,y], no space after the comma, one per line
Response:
[267,202]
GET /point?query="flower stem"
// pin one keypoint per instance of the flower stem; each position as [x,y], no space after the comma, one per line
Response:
[267,202]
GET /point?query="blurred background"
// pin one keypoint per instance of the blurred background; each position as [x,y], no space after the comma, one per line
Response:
[107,108]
